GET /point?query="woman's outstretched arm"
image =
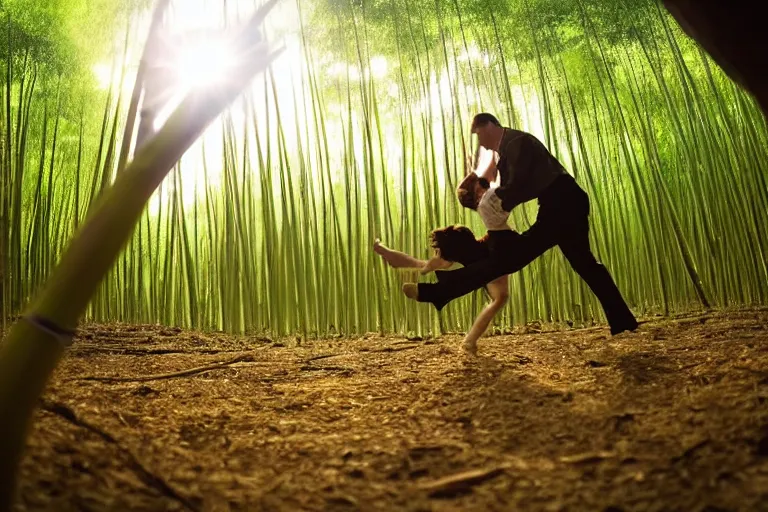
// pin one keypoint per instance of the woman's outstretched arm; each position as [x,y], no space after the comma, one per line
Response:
[398,259]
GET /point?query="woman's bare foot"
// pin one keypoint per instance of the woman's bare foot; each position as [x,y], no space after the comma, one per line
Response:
[385,252]
[411,290]
[470,348]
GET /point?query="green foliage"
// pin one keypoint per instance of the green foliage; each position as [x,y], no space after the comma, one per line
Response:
[64,36]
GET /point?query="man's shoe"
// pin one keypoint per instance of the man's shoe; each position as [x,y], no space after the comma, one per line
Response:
[624,327]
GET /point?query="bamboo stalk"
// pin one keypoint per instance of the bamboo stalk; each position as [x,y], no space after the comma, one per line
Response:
[28,355]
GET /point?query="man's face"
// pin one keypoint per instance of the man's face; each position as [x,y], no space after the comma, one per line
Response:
[485,135]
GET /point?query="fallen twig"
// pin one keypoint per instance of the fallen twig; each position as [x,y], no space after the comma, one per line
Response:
[461,482]
[586,457]
[183,373]
[692,365]
[147,352]
[344,369]
[147,476]
[394,349]
[520,359]
[322,356]
[691,450]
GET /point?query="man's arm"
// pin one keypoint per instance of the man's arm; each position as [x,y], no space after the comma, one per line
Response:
[489,172]
[499,291]
[515,166]
[485,170]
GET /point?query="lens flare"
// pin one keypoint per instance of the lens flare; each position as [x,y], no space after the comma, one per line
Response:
[204,63]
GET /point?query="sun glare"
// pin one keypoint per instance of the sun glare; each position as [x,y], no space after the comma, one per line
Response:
[205,63]
[200,62]
[379,67]
[103,75]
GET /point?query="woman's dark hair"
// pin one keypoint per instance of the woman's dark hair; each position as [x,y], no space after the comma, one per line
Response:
[457,243]
[466,190]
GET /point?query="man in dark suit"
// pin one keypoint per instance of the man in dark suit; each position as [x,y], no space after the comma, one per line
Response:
[528,171]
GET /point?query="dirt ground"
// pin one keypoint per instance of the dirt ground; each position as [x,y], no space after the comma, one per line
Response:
[673,417]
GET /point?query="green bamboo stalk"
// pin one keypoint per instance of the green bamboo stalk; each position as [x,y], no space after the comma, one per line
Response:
[28,355]
[149,47]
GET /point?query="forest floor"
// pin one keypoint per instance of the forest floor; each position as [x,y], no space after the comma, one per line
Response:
[671,417]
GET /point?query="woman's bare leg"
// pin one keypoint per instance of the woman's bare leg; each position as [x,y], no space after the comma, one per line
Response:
[499,291]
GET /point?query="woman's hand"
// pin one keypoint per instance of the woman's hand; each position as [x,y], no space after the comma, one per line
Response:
[435,263]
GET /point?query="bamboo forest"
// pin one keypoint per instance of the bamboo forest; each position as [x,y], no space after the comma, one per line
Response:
[228,229]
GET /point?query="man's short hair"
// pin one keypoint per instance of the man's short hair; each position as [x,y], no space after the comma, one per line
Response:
[483,119]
